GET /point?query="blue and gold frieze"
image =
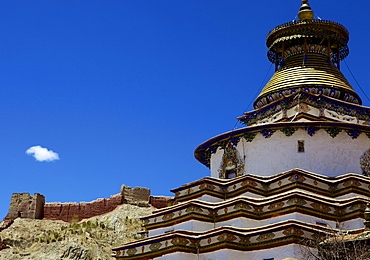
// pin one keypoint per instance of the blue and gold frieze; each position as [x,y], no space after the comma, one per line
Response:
[261,209]
[268,186]
[270,236]
[321,98]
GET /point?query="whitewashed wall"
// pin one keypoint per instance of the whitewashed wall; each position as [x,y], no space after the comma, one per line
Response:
[323,154]
[278,253]
[198,226]
[178,256]
[210,198]
[192,225]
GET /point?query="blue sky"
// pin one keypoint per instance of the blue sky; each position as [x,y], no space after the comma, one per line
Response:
[124,91]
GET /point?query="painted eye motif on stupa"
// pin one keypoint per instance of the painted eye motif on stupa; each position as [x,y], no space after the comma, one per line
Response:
[365,163]
[231,165]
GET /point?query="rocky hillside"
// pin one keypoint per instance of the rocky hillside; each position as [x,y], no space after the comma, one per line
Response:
[89,239]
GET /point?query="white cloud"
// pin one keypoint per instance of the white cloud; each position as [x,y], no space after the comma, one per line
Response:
[42,154]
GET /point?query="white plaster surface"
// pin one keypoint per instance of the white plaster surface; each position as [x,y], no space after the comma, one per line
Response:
[210,198]
[323,154]
[278,253]
[216,159]
[192,225]
[351,195]
[178,256]
[241,222]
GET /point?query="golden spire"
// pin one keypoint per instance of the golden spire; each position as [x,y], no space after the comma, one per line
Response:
[307,55]
[305,12]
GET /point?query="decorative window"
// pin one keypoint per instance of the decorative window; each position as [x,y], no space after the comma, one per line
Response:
[231,165]
[365,163]
[301,146]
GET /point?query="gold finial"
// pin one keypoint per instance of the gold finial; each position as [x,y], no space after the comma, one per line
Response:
[305,12]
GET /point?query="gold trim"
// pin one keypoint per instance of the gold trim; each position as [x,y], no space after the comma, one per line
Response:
[316,71]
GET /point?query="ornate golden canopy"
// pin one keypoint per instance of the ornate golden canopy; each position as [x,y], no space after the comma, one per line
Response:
[307,54]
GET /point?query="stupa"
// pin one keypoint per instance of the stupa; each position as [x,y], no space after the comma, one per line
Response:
[298,168]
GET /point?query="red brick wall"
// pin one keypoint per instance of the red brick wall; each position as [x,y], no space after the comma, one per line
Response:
[160,201]
[26,206]
[72,211]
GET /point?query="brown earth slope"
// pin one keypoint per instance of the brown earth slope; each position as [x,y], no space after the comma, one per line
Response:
[89,239]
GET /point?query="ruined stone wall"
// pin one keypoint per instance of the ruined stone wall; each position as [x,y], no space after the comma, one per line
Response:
[24,205]
[73,211]
[135,195]
[160,201]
